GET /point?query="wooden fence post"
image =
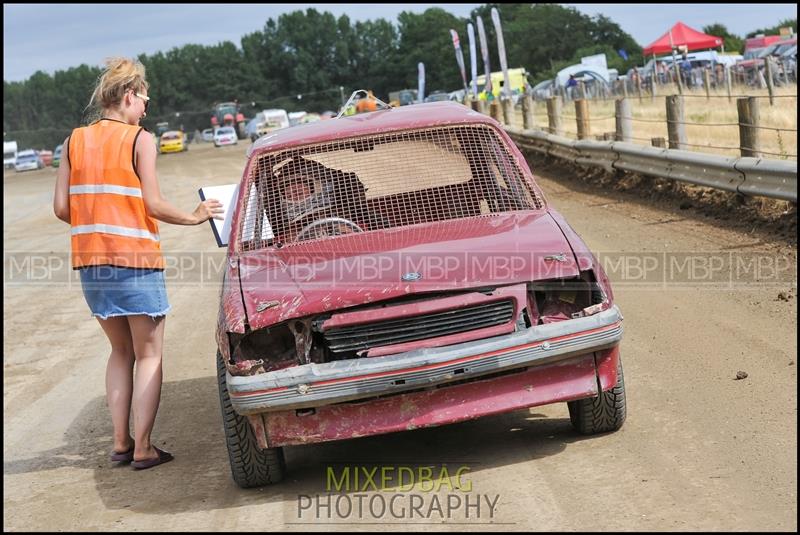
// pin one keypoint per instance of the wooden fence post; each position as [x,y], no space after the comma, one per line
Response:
[508,111]
[474,104]
[676,130]
[707,82]
[653,84]
[494,110]
[624,88]
[482,106]
[658,142]
[749,142]
[527,112]
[582,118]
[728,81]
[678,77]
[768,72]
[639,87]
[554,115]
[624,126]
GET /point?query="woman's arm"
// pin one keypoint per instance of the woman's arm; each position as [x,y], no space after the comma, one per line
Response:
[61,197]
[157,206]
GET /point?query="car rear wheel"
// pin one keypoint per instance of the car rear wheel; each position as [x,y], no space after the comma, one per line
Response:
[250,466]
[603,413]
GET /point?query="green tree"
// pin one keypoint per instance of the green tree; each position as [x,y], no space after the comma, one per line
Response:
[733,43]
[426,38]
[774,30]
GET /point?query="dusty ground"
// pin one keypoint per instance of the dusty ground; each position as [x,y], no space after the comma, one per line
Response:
[699,451]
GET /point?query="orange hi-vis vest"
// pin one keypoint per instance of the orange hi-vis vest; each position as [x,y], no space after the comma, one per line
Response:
[106,209]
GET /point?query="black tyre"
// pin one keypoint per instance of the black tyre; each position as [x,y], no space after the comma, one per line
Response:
[250,466]
[602,413]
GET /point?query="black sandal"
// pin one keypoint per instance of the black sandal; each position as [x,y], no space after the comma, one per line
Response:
[163,457]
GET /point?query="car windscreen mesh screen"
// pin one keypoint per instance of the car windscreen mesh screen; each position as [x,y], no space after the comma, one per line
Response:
[380,182]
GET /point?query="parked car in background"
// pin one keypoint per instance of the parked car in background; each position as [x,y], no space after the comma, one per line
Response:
[57,156]
[173,141]
[28,160]
[315,342]
[225,135]
[208,135]
[46,157]
[437,96]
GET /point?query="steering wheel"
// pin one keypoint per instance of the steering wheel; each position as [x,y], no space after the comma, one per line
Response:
[326,221]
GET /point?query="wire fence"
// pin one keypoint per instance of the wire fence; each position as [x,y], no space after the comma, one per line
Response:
[715,128]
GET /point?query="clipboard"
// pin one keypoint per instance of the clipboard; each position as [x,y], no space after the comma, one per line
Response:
[226,195]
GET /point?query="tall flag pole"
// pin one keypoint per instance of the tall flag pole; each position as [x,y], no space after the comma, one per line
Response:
[485,54]
[420,81]
[459,57]
[473,60]
[501,50]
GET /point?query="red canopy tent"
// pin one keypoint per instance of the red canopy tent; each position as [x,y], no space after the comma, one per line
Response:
[682,35]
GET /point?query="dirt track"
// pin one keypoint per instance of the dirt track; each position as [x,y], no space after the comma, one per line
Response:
[699,450]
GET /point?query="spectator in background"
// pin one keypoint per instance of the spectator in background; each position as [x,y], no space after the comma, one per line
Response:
[572,85]
[686,71]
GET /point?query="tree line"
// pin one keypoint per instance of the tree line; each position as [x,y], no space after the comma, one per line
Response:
[300,60]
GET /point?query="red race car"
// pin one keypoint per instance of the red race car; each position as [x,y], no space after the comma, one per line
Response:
[401,269]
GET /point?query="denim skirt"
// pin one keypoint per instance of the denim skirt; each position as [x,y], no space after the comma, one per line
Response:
[120,291]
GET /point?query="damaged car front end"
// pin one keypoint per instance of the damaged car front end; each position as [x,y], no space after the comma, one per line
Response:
[398,270]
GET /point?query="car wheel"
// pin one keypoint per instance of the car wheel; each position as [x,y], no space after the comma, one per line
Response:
[603,413]
[250,466]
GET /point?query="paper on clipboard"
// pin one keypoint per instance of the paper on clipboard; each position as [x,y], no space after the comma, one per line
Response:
[227,195]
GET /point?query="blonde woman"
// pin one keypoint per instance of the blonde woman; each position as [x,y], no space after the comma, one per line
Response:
[107,190]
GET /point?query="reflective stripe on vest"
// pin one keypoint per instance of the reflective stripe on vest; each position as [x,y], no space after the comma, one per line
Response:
[105,188]
[109,220]
[113,229]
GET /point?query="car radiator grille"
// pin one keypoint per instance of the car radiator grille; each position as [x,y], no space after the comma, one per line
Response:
[422,327]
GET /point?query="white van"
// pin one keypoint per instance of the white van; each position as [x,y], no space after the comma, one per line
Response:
[9,154]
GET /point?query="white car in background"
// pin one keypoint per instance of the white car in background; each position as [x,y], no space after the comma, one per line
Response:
[208,134]
[225,135]
[28,160]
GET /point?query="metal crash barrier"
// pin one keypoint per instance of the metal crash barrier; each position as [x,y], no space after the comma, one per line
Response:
[776,179]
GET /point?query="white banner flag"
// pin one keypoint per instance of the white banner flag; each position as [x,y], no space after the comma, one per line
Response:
[485,54]
[501,50]
[420,81]
[473,60]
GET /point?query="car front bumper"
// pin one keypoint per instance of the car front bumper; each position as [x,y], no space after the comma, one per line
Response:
[171,148]
[316,385]
[27,167]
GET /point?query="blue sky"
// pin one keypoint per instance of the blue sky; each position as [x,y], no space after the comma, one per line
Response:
[51,37]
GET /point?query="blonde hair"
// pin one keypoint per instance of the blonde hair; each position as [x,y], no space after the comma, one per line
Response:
[120,75]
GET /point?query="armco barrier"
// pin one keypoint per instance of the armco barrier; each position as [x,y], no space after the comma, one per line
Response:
[749,176]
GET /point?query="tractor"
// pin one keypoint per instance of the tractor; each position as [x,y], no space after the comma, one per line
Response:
[229,114]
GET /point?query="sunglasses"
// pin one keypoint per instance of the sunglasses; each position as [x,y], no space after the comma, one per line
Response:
[146,100]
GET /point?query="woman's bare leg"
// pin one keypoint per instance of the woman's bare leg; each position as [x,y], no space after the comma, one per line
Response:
[148,340]
[119,379]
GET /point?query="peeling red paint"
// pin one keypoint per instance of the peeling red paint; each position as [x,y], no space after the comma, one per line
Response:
[571,379]
[259,430]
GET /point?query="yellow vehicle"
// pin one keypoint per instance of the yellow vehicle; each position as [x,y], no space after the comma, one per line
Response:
[517,77]
[173,141]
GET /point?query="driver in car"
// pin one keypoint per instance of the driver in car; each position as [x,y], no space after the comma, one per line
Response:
[316,203]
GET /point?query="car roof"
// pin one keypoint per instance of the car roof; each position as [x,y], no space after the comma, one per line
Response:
[377,122]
